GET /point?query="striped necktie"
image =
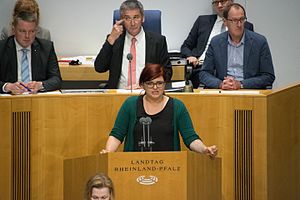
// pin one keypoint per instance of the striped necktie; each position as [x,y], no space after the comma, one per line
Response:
[25,67]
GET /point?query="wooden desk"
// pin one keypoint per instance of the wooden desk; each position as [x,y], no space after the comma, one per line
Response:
[88,73]
[257,136]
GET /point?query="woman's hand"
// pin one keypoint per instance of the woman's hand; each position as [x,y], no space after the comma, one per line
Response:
[211,151]
[103,151]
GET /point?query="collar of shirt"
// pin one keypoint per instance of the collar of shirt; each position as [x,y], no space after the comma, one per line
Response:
[230,42]
[219,19]
[138,36]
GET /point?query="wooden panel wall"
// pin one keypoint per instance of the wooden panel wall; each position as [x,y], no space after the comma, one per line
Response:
[66,126]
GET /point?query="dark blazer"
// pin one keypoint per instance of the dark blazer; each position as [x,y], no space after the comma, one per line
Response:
[195,43]
[44,63]
[110,56]
[257,67]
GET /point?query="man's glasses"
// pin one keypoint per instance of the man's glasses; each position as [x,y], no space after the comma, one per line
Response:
[134,18]
[219,1]
[158,84]
[236,21]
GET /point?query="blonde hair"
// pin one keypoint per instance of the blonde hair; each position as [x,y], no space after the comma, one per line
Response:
[99,181]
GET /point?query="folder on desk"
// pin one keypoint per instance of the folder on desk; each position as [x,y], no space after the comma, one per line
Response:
[72,91]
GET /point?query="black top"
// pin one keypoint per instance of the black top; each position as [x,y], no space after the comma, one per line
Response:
[161,128]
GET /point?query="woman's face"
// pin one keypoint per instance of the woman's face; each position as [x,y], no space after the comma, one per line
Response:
[100,194]
[155,88]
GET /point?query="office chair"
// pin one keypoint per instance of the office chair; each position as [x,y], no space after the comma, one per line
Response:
[152,20]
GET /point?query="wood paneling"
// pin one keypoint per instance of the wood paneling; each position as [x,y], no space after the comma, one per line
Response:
[87,72]
[5,148]
[65,126]
[175,175]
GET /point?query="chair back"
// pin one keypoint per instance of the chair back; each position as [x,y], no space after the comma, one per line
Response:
[152,20]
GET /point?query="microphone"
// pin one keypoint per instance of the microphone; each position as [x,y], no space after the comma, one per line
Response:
[129,58]
[146,121]
[188,85]
[142,143]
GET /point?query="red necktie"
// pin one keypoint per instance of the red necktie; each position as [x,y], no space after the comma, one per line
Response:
[133,63]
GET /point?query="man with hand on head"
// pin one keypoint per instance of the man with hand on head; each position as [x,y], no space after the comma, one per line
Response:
[128,36]
[27,63]
[203,30]
[237,58]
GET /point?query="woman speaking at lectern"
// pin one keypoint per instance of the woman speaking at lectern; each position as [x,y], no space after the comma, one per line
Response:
[153,121]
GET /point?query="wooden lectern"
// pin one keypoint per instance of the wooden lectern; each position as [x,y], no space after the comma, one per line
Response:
[149,175]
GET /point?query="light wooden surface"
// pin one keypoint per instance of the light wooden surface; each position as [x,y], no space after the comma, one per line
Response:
[73,125]
[5,148]
[88,73]
[175,171]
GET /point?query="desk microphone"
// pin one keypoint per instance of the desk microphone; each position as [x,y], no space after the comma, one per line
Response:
[146,121]
[129,58]
[188,85]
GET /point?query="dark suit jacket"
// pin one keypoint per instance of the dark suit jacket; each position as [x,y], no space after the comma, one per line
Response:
[195,43]
[44,63]
[110,56]
[257,67]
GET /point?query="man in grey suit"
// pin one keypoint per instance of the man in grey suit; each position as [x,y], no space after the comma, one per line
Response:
[27,64]
[149,47]
[237,58]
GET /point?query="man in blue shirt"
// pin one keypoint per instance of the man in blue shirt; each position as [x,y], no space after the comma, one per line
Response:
[237,58]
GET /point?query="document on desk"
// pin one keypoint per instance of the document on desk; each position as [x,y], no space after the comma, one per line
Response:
[27,93]
[74,91]
[178,84]
[50,92]
[124,91]
[234,92]
[5,95]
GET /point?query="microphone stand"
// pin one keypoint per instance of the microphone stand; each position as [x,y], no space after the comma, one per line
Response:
[149,141]
[142,143]
[130,74]
[129,58]
[146,121]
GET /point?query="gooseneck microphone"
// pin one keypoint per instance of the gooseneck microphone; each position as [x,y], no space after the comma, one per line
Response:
[129,58]
[146,121]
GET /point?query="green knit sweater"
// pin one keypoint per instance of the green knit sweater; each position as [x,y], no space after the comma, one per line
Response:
[127,117]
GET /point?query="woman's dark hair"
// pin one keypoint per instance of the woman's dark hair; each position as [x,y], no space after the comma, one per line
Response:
[152,71]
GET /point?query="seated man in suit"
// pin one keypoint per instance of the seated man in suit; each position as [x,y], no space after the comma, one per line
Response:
[144,47]
[26,6]
[203,30]
[237,58]
[27,64]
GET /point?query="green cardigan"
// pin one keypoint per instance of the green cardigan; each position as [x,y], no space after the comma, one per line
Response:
[126,119]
